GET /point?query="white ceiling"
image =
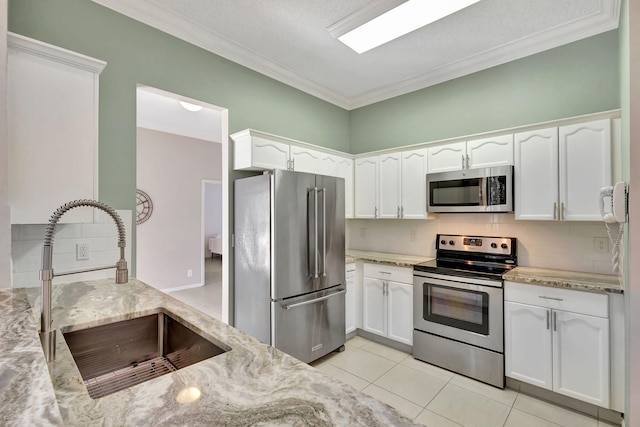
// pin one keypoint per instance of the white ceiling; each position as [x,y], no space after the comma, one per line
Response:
[288,40]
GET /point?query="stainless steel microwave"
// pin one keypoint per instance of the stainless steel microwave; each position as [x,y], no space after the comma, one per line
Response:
[471,190]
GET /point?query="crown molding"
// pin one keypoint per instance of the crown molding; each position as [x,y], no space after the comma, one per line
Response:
[21,43]
[198,35]
[604,20]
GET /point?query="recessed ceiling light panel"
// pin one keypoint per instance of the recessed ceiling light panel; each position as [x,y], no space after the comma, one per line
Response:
[401,20]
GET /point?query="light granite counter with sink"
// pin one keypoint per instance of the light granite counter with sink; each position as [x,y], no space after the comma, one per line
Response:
[252,383]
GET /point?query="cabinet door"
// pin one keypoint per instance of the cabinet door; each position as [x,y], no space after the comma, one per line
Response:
[389,185]
[400,307]
[374,308]
[449,157]
[305,159]
[536,175]
[413,184]
[490,152]
[581,357]
[52,131]
[350,305]
[328,164]
[585,167]
[345,170]
[266,154]
[527,344]
[365,195]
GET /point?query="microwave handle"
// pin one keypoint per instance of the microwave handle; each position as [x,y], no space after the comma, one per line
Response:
[483,191]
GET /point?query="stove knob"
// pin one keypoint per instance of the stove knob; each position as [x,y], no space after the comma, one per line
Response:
[451,242]
[443,242]
[504,246]
[494,245]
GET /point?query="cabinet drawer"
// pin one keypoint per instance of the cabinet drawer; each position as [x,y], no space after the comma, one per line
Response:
[557,298]
[350,270]
[389,272]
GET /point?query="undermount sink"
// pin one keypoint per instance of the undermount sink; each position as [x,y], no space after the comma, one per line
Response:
[119,355]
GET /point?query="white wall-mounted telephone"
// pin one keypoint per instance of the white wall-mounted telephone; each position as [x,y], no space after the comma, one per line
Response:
[615,200]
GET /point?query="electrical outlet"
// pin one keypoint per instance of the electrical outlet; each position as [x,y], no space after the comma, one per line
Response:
[412,235]
[83,251]
[601,245]
[189,273]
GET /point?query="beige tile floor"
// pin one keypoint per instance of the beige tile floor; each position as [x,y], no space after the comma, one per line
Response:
[207,298]
[436,397]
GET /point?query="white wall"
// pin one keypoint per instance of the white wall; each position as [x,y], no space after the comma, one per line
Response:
[565,246]
[102,237]
[170,168]
[212,212]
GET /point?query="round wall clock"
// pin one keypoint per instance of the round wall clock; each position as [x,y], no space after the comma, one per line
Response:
[144,207]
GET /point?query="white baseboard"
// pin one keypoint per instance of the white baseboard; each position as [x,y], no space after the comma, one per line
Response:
[182,288]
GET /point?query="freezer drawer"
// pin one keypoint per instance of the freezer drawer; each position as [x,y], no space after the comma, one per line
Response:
[310,326]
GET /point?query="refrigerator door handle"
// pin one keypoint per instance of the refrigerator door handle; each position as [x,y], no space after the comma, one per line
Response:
[324,231]
[312,233]
[313,301]
[315,243]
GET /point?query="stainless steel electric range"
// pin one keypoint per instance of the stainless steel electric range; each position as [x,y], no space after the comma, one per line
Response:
[458,305]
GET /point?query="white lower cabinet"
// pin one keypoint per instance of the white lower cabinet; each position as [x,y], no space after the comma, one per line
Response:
[558,339]
[387,305]
[351,298]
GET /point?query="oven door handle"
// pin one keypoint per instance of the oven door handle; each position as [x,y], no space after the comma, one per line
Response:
[428,300]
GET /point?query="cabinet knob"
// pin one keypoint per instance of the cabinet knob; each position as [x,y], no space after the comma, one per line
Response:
[494,245]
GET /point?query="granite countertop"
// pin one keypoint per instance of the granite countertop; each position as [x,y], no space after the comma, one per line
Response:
[398,260]
[253,383]
[581,281]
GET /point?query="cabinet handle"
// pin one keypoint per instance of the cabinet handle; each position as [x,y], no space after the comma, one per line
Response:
[398,212]
[402,212]
[555,321]
[553,298]
[561,211]
[375,215]
[467,161]
[293,164]
[555,210]
[548,320]
[463,161]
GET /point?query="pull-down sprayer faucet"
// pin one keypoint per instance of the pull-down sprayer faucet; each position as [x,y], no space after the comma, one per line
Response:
[47,333]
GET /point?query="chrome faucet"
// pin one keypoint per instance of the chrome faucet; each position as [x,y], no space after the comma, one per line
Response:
[47,333]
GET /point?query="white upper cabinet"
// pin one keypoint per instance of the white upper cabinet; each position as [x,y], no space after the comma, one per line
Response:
[255,152]
[490,152]
[479,153]
[585,167]
[536,174]
[329,164]
[445,158]
[345,170]
[52,130]
[392,185]
[304,159]
[414,183]
[389,166]
[366,197]
[559,171]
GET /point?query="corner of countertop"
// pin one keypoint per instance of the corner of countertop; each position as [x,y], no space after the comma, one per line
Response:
[398,260]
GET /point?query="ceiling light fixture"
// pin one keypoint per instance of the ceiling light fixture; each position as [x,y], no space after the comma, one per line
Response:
[190,107]
[362,31]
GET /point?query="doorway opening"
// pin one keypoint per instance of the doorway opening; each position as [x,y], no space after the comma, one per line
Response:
[182,155]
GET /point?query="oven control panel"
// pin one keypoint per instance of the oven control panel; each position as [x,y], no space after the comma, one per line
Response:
[492,245]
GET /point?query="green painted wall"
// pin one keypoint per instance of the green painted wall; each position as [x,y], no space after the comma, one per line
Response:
[579,78]
[138,54]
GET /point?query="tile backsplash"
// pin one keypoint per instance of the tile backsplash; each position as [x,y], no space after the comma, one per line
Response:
[102,238]
[560,245]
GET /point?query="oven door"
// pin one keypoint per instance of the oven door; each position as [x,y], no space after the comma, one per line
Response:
[462,311]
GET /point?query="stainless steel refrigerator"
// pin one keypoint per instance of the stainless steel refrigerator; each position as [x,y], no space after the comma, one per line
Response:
[289,261]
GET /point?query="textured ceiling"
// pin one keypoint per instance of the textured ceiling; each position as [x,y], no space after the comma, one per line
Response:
[288,40]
